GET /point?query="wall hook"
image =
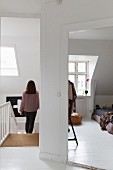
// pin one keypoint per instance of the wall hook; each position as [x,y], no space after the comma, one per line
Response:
[59,2]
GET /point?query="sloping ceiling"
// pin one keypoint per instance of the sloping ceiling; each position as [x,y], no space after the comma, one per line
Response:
[24,34]
[96,42]
[105,33]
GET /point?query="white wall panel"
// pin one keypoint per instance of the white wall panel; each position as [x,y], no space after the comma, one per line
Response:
[54,18]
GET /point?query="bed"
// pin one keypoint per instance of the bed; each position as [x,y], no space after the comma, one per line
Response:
[104,116]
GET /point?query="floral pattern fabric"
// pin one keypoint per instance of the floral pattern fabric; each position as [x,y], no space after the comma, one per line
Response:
[105,119]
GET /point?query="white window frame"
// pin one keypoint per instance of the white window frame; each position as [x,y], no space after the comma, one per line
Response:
[76,73]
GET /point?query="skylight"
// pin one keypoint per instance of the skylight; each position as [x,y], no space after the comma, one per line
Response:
[8,65]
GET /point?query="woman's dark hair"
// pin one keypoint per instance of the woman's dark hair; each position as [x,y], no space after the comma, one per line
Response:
[31,88]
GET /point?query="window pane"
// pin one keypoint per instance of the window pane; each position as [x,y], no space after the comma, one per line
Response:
[8,65]
[9,72]
[81,84]
[72,78]
[71,67]
[8,57]
[82,67]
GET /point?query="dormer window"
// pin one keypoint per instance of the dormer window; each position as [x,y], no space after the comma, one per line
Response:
[8,64]
[80,72]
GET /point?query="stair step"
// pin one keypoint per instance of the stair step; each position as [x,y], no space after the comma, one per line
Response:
[18,140]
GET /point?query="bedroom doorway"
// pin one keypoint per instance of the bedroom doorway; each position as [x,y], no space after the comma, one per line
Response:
[96,26]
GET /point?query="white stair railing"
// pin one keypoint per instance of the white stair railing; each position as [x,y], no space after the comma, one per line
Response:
[8,123]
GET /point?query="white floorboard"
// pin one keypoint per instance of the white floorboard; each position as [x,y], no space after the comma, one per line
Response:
[27,158]
[95,147]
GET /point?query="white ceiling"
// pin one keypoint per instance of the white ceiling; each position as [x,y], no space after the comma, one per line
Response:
[96,34]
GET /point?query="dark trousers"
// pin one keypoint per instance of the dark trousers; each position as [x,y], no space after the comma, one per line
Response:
[30,119]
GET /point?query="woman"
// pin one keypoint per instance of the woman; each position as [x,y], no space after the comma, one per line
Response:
[30,105]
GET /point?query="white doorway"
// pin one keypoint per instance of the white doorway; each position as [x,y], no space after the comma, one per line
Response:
[64,43]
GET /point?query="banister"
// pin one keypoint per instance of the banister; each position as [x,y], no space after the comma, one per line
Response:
[8,123]
[12,112]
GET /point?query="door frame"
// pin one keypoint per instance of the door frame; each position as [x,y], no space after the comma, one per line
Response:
[65,29]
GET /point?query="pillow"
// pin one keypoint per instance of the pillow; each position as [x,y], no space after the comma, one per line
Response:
[109,128]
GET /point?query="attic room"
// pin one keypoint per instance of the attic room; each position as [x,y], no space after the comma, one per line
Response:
[89,42]
[24,35]
[92,43]
[55,48]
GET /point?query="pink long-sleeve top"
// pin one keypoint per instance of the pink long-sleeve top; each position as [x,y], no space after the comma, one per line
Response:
[30,102]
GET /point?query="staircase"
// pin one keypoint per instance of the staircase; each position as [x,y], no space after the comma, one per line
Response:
[18,140]
[8,122]
[9,132]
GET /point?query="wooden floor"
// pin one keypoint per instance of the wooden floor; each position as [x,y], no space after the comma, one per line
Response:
[95,147]
[18,140]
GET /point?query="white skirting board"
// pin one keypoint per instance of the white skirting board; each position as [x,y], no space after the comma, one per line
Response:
[52,157]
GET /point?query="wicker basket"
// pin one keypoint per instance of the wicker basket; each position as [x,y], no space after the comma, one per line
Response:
[76,118]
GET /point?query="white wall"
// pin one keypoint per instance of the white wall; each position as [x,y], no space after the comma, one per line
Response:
[103,49]
[28,62]
[26,8]
[53,132]
[24,34]
[54,70]
[104,100]
[21,33]
[0,37]
[102,76]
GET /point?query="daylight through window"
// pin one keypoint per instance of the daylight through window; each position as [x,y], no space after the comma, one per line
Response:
[78,74]
[8,65]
